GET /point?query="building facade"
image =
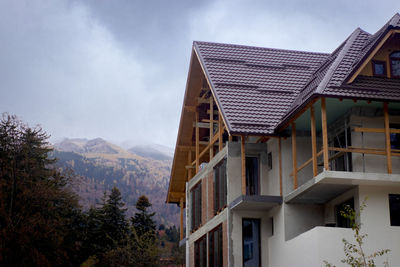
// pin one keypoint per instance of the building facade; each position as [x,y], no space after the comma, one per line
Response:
[273,144]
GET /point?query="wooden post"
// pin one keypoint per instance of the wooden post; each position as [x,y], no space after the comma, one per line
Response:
[387,136]
[243,157]
[280,164]
[197,142]
[220,132]
[294,156]
[190,164]
[313,141]
[211,125]
[230,138]
[324,134]
[181,229]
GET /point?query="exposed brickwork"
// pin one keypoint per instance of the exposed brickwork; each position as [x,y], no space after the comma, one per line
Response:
[210,207]
[225,243]
[203,202]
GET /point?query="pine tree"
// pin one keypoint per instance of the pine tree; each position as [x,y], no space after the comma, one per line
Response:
[35,203]
[143,220]
[114,222]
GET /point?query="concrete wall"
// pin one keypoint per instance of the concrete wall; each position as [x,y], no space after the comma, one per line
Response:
[320,243]
[236,235]
[234,168]
[300,218]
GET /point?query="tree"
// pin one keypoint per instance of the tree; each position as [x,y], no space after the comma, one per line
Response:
[35,201]
[114,222]
[354,252]
[143,220]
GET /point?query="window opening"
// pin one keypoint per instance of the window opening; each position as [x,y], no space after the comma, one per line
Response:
[270,161]
[252,176]
[200,252]
[195,196]
[251,242]
[220,191]
[215,247]
[342,221]
[379,68]
[394,137]
[394,207]
[395,64]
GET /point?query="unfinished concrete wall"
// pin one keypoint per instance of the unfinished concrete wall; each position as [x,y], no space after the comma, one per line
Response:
[234,168]
[236,235]
[300,218]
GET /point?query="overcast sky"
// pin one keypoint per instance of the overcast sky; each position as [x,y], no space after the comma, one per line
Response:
[118,69]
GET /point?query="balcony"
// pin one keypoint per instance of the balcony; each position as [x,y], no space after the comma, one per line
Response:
[330,184]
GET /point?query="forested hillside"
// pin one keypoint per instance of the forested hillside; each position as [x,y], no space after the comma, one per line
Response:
[102,165]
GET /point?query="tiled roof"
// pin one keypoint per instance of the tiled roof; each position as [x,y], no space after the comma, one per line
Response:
[255,86]
[259,89]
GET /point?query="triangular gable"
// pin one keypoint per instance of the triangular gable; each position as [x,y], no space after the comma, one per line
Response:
[373,47]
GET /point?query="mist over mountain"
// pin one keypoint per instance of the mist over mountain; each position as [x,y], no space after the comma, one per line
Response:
[102,165]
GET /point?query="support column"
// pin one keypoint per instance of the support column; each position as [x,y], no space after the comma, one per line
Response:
[181,229]
[387,137]
[190,175]
[243,157]
[220,132]
[280,165]
[197,142]
[211,125]
[324,134]
[313,141]
[294,156]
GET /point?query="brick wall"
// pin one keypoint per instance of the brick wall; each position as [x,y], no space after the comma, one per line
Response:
[225,243]
[210,208]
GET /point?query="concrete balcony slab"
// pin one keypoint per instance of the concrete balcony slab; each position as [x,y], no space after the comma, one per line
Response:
[255,202]
[330,184]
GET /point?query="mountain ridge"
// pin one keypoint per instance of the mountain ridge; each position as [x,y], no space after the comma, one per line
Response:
[102,165]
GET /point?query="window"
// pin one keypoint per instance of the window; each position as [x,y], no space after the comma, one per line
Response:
[395,64]
[215,247]
[252,176]
[220,187]
[251,242]
[272,225]
[195,197]
[270,161]
[394,137]
[379,68]
[394,206]
[200,252]
[342,221]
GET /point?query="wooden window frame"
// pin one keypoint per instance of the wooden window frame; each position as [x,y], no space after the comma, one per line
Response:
[374,62]
[218,193]
[211,242]
[391,64]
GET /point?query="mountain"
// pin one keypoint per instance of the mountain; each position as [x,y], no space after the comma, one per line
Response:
[148,151]
[102,165]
